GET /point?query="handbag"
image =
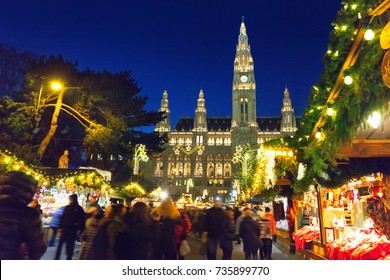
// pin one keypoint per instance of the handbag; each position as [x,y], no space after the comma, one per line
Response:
[184,248]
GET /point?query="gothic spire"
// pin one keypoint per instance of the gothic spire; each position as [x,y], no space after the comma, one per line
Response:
[200,123]
[164,125]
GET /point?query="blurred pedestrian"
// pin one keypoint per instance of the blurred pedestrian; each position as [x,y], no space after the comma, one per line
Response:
[137,240]
[237,214]
[250,233]
[265,235]
[228,235]
[91,226]
[213,229]
[21,233]
[54,224]
[238,223]
[104,244]
[182,230]
[166,240]
[72,224]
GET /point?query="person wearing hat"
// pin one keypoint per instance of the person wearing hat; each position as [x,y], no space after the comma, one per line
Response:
[72,224]
[21,234]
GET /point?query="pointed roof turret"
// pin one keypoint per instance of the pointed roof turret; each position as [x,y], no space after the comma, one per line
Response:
[286,99]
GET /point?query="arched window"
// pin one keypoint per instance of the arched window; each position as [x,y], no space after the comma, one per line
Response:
[218,172]
[210,169]
[244,110]
[159,168]
[227,170]
[199,167]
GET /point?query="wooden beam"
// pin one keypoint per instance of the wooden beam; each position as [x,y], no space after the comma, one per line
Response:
[365,149]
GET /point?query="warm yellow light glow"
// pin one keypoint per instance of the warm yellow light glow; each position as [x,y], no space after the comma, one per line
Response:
[330,112]
[318,135]
[56,85]
[353,6]
[369,35]
[374,119]
[348,80]
[290,153]
[344,27]
[17,167]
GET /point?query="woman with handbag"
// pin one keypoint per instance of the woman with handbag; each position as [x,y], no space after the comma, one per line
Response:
[228,235]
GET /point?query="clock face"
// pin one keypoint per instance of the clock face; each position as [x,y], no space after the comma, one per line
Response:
[244,78]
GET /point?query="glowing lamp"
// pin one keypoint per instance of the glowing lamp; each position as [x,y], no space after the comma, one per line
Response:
[348,80]
[318,135]
[330,112]
[56,86]
[374,120]
[369,35]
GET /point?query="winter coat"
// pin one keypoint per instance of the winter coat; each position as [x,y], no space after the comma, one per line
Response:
[250,232]
[183,228]
[265,228]
[91,226]
[137,241]
[21,232]
[228,234]
[272,222]
[73,218]
[104,244]
[166,238]
[213,222]
[55,221]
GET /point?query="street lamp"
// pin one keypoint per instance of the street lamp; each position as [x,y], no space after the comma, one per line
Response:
[139,154]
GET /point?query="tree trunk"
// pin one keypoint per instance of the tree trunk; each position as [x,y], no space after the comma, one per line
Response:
[53,127]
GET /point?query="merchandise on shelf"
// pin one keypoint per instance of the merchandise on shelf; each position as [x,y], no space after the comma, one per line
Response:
[305,234]
[361,244]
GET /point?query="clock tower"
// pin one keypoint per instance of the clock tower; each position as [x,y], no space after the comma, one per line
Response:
[244,123]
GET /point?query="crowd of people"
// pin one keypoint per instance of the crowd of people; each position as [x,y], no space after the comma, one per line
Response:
[139,232]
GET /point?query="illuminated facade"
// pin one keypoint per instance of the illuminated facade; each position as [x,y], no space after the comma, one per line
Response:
[201,148]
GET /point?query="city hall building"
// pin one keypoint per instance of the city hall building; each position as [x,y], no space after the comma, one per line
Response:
[198,156]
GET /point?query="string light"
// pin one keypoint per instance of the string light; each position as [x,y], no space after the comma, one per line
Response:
[369,35]
[348,80]
[330,112]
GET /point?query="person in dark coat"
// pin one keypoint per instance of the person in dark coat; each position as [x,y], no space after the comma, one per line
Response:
[21,234]
[137,240]
[166,241]
[213,226]
[105,243]
[250,233]
[228,235]
[72,224]
[237,214]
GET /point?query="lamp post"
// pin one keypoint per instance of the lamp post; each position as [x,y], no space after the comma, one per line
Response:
[139,154]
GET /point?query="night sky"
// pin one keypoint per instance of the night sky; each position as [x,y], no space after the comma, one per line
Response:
[182,45]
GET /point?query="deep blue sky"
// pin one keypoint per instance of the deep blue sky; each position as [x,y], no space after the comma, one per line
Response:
[182,45]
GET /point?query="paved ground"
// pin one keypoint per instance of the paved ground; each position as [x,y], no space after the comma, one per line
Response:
[279,252]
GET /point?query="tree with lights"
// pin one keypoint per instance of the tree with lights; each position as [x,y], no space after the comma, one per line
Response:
[246,157]
[349,90]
